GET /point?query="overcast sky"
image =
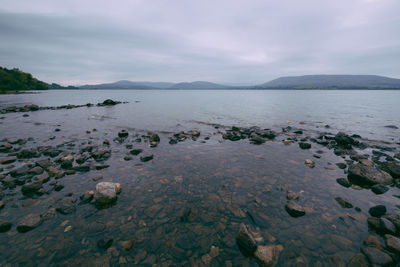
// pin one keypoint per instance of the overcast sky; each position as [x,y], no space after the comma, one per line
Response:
[225,41]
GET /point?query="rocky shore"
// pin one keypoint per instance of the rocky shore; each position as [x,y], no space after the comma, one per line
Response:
[31,171]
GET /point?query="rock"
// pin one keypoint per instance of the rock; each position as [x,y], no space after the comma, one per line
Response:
[246,240]
[256,139]
[368,175]
[8,161]
[153,137]
[45,163]
[66,205]
[109,102]
[52,171]
[105,243]
[146,157]
[36,170]
[379,189]
[136,152]
[87,196]
[386,226]
[105,193]
[344,203]
[373,242]
[391,167]
[393,243]
[373,222]
[376,256]
[290,195]
[28,153]
[377,211]
[304,145]
[127,245]
[341,165]
[118,187]
[31,187]
[294,209]
[29,222]
[358,260]
[392,126]
[309,163]
[343,182]
[81,168]
[5,226]
[23,170]
[123,134]
[344,140]
[266,256]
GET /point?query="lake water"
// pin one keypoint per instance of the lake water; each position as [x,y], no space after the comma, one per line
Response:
[185,206]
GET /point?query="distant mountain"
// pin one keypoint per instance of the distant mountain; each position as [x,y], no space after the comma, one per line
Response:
[198,85]
[16,80]
[333,81]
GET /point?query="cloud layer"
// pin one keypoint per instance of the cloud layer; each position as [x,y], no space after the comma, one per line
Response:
[235,42]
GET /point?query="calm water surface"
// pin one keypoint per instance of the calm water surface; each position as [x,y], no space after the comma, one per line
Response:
[221,183]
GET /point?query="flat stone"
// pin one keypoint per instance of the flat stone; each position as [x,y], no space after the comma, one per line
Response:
[105,193]
[146,157]
[343,182]
[379,189]
[29,222]
[344,203]
[376,256]
[266,256]
[294,209]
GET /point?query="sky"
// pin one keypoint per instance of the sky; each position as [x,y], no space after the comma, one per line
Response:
[75,42]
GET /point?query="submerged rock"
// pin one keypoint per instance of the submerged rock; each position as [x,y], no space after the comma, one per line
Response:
[377,211]
[344,203]
[29,222]
[376,256]
[393,243]
[146,157]
[343,182]
[391,167]
[106,193]
[379,189]
[294,209]
[266,256]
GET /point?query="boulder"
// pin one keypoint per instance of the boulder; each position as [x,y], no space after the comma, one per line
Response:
[29,222]
[368,175]
[379,189]
[266,256]
[105,193]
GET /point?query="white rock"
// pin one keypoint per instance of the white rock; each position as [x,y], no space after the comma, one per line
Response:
[106,192]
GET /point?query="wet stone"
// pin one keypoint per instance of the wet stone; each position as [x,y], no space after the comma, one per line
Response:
[29,222]
[393,243]
[358,260]
[344,203]
[290,195]
[146,157]
[376,256]
[105,243]
[266,256]
[66,205]
[123,134]
[8,161]
[377,211]
[379,189]
[341,165]
[304,145]
[245,239]
[294,209]
[31,187]
[87,196]
[343,182]
[309,163]
[386,226]
[5,226]
[368,175]
[105,193]
[36,170]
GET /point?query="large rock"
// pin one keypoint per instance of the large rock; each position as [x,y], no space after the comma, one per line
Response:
[105,193]
[344,140]
[266,256]
[294,209]
[246,240]
[376,256]
[377,211]
[29,222]
[368,175]
[393,243]
[391,167]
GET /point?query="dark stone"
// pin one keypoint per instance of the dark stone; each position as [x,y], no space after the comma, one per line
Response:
[66,164]
[23,170]
[379,189]
[28,153]
[344,203]
[294,209]
[8,161]
[392,126]
[153,137]
[86,197]
[376,256]
[44,163]
[392,167]
[358,260]
[136,152]
[105,243]
[368,175]
[341,165]
[58,187]
[304,145]
[82,168]
[343,182]
[267,134]
[66,205]
[257,140]
[123,134]
[31,187]
[127,158]
[245,239]
[344,140]
[146,157]
[5,226]
[36,170]
[377,211]
[386,227]
[373,222]
[109,102]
